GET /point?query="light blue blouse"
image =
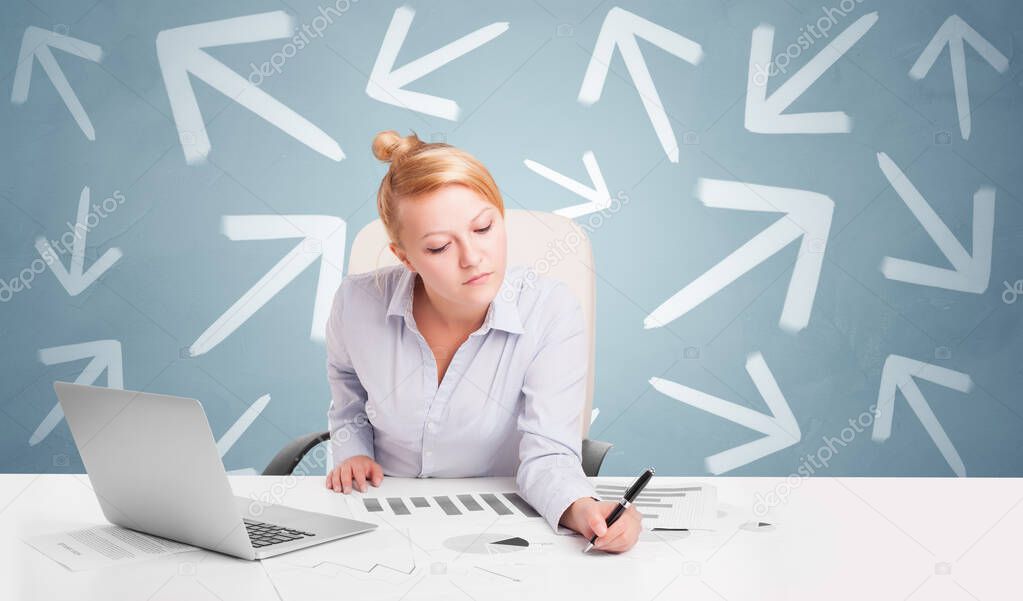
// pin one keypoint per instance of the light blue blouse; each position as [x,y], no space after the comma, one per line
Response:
[510,402]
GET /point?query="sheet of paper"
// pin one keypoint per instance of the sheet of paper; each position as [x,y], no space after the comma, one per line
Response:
[451,506]
[459,507]
[102,546]
[692,506]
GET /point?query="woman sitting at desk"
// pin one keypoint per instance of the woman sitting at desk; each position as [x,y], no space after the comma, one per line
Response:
[451,366]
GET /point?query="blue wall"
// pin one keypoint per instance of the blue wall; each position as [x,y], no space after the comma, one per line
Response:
[175,271]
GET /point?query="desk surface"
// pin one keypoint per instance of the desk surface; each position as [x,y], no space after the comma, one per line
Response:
[835,538]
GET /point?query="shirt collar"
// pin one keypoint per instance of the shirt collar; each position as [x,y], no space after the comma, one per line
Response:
[502,314]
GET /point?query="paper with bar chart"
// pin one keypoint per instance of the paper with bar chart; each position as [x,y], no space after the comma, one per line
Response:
[461,505]
[692,507]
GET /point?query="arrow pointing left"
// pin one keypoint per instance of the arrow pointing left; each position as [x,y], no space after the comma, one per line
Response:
[180,53]
[387,84]
[37,43]
[764,114]
[105,354]
[780,429]
[323,236]
[73,278]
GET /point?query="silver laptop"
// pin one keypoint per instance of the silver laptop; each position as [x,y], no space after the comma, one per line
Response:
[154,467]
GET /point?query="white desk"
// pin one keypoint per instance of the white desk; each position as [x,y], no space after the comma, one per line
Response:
[835,538]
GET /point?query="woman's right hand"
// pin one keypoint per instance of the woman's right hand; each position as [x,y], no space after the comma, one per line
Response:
[359,469]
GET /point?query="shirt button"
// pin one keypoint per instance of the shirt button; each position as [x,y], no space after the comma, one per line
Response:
[429,453]
[431,426]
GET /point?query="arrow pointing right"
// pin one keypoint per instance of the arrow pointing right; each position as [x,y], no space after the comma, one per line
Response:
[764,115]
[780,429]
[323,236]
[73,279]
[37,42]
[953,32]
[968,273]
[105,354]
[807,215]
[598,196]
[225,442]
[620,30]
[180,53]
[898,373]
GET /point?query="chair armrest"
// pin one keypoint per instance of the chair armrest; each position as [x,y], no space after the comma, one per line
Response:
[288,458]
[285,461]
[593,452]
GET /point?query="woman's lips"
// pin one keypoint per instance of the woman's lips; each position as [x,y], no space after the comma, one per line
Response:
[480,279]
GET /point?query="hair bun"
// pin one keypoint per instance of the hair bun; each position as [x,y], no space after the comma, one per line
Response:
[389,146]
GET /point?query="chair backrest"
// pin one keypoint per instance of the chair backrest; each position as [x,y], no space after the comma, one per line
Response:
[554,246]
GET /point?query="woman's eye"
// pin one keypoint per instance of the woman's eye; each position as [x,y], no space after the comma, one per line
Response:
[438,250]
[485,230]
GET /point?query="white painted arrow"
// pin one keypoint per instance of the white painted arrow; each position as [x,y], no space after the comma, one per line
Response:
[807,216]
[323,236]
[597,195]
[239,427]
[968,273]
[620,29]
[780,429]
[105,354]
[180,53]
[36,42]
[73,279]
[953,32]
[387,84]
[898,373]
[764,115]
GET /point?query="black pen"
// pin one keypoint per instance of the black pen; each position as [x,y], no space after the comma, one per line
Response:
[626,500]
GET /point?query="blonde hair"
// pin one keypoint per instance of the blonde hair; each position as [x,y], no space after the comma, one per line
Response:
[418,167]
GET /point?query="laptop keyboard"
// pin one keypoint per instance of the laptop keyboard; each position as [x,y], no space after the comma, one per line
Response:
[262,534]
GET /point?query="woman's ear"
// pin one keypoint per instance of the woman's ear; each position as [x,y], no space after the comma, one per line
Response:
[398,252]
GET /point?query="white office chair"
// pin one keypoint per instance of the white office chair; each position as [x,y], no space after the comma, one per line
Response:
[553,246]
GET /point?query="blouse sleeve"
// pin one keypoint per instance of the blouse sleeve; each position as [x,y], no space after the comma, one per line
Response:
[351,432]
[550,475]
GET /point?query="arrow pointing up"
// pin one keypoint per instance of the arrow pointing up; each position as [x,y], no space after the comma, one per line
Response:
[968,273]
[387,84]
[620,29]
[105,354]
[898,373]
[597,195]
[37,42]
[180,53]
[764,115]
[953,32]
[323,235]
[73,279]
[807,216]
[780,429]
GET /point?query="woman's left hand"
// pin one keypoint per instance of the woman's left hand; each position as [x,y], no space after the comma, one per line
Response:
[587,516]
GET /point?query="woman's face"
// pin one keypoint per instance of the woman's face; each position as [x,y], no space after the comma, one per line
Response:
[449,236]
